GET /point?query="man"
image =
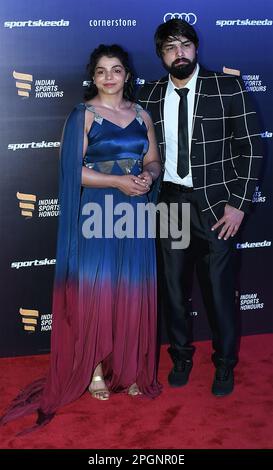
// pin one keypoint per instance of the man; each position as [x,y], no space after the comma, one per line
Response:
[210,147]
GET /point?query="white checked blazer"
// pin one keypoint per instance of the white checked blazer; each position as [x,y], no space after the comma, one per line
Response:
[226,148]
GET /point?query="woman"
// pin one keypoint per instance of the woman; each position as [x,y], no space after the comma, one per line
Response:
[104,306]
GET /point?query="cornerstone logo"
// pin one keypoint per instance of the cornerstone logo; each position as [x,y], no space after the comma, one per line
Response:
[112,23]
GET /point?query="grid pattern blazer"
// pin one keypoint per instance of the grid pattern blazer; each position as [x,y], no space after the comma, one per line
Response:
[226,149]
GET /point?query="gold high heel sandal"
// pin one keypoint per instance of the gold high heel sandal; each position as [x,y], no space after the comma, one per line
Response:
[133,390]
[99,393]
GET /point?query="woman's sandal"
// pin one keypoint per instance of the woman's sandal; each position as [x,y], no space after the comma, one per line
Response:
[99,393]
[133,390]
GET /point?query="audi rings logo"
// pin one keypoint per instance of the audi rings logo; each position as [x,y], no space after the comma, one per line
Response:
[191,18]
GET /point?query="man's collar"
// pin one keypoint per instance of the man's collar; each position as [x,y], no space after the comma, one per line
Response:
[190,84]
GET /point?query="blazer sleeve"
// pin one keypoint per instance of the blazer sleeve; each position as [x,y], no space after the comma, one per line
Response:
[246,147]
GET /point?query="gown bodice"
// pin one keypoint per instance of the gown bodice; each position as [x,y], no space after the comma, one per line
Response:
[115,149]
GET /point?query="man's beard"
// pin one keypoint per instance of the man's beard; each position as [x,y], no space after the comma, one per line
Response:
[181,71]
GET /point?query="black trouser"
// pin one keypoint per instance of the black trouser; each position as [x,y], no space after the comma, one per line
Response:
[214,263]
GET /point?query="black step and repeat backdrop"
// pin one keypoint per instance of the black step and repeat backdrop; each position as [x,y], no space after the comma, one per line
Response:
[45,45]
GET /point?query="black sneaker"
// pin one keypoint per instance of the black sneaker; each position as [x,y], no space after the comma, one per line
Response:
[180,373]
[223,382]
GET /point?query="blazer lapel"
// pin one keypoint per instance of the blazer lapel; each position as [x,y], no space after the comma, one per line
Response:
[199,101]
[163,89]
[156,107]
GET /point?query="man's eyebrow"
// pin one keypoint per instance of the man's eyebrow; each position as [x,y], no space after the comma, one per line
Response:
[170,41]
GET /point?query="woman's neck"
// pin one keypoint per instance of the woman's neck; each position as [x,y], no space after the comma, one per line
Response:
[112,102]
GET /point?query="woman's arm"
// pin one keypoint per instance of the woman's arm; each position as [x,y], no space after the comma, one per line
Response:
[151,163]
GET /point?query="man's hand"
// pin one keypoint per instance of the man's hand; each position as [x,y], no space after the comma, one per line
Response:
[230,222]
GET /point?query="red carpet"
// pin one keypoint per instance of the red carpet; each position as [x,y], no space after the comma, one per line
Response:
[185,418]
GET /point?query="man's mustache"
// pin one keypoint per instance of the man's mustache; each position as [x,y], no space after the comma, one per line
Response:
[178,61]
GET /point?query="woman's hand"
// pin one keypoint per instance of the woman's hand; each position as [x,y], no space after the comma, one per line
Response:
[146,177]
[132,185]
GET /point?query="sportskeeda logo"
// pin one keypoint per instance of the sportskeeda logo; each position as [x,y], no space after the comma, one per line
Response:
[36,24]
[245,22]
[243,246]
[267,135]
[191,18]
[33,145]
[32,263]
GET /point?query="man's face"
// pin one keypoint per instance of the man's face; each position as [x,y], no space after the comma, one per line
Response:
[179,57]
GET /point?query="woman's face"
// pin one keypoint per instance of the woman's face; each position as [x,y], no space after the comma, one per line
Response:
[110,75]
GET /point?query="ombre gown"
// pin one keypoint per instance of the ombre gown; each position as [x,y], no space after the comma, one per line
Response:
[118,271]
[104,299]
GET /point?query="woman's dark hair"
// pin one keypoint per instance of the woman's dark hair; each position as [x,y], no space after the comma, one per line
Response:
[173,29]
[110,51]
